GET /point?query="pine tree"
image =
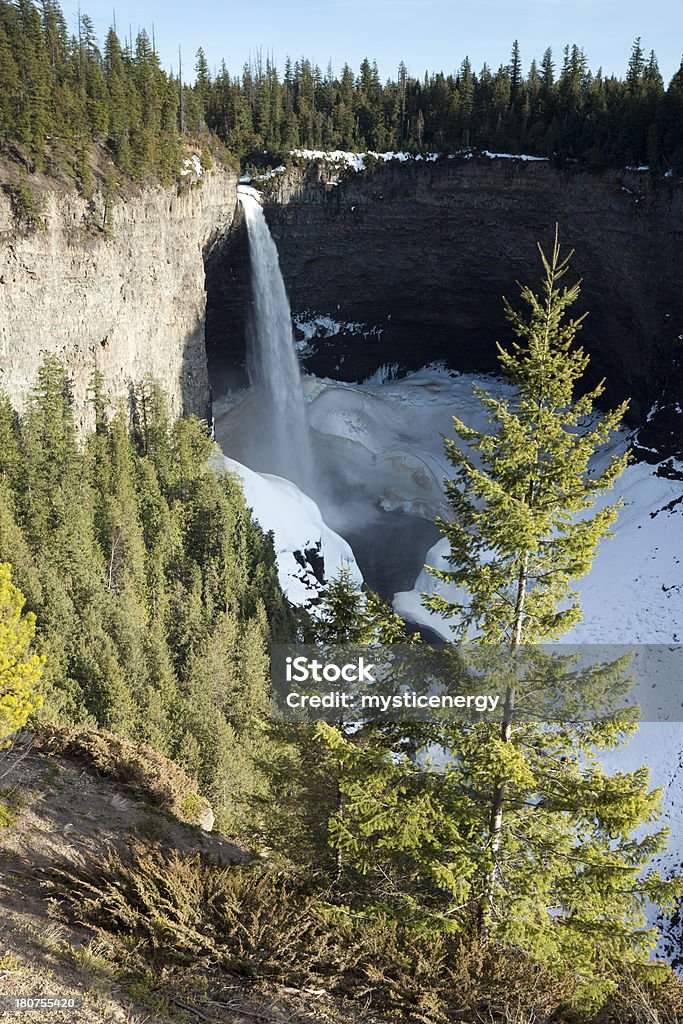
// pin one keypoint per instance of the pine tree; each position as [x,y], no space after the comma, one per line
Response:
[20,670]
[153,588]
[672,117]
[636,66]
[466,88]
[311,775]
[534,483]
[518,833]
[9,84]
[203,80]
[556,868]
[342,617]
[547,71]
[515,71]
[49,475]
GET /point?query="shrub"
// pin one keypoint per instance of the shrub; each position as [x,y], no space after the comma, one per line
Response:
[20,669]
[180,910]
[137,767]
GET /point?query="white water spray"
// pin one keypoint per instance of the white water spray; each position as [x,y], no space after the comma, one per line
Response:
[281,443]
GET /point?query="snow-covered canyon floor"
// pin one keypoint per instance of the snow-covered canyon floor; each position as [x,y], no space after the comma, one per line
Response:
[378,450]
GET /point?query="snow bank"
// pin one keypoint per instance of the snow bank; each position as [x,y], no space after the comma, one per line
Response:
[408,603]
[308,551]
[634,592]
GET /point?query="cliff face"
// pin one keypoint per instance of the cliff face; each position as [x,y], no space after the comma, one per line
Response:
[418,253]
[129,305]
[422,253]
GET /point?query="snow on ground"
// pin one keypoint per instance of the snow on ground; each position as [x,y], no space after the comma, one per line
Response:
[634,593]
[307,549]
[357,161]
[408,603]
[514,156]
[192,165]
[246,179]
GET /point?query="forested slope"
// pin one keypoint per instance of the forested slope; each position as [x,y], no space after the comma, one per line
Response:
[154,590]
[63,94]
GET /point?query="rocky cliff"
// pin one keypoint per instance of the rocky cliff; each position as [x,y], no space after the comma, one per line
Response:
[128,303]
[418,255]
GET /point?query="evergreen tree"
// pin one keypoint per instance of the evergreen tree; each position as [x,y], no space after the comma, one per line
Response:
[548,71]
[153,589]
[519,538]
[535,483]
[20,670]
[59,95]
[515,71]
[636,66]
[518,832]
[310,776]
[672,117]
[202,81]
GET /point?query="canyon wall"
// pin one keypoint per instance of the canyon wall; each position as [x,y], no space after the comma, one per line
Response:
[419,255]
[128,304]
[416,255]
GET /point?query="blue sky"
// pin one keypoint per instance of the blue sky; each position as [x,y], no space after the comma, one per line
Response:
[426,34]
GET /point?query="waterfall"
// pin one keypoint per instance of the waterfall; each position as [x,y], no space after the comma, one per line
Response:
[281,444]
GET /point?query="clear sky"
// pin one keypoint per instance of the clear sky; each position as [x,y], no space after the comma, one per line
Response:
[429,35]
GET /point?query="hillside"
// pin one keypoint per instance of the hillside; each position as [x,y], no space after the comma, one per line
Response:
[60,812]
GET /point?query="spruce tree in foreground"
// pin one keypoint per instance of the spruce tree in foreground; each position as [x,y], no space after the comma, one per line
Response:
[517,833]
[560,871]
[516,543]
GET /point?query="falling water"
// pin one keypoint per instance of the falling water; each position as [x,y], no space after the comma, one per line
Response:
[281,443]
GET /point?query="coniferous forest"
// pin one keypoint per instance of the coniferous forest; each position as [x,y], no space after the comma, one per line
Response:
[63,93]
[153,589]
[411,871]
[141,601]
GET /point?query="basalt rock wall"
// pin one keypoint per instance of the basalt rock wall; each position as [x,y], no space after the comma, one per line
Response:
[128,302]
[420,254]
